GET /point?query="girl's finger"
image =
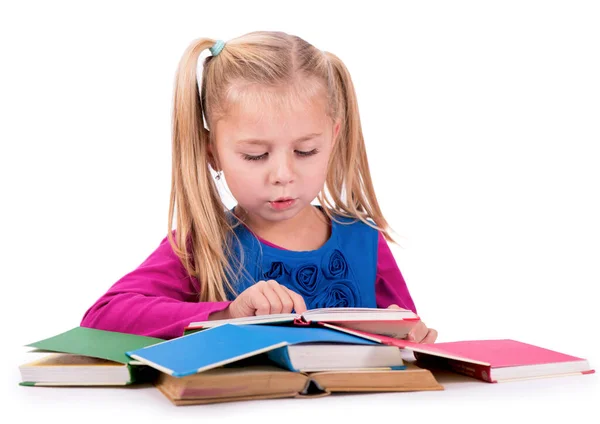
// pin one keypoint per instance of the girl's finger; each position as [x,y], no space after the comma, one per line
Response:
[418,333]
[394,306]
[273,298]
[431,336]
[299,304]
[287,303]
[259,303]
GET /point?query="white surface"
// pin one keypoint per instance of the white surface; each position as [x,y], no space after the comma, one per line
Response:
[481,122]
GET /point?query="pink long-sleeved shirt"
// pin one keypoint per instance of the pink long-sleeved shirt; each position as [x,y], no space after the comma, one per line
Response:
[159,299]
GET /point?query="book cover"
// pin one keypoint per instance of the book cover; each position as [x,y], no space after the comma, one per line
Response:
[102,344]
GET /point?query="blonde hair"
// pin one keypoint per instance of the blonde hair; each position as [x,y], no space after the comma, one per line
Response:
[204,234]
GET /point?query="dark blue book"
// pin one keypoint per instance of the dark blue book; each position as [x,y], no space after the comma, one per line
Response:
[228,343]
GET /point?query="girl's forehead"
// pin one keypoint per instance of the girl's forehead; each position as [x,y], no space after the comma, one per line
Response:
[261,113]
[265,115]
[255,100]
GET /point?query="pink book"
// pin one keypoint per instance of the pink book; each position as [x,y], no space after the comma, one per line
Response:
[491,360]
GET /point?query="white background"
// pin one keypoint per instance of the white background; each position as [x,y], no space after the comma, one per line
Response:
[482,124]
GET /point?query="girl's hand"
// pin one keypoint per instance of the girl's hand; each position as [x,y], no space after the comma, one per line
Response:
[265,298]
[419,334]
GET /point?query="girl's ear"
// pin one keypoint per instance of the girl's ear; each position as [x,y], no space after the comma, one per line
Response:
[212,157]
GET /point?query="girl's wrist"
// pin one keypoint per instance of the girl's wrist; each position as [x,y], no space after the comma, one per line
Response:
[222,314]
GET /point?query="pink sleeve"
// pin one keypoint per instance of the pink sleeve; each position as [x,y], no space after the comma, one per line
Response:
[157,299]
[390,287]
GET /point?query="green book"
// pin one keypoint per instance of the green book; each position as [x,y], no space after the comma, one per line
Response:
[88,357]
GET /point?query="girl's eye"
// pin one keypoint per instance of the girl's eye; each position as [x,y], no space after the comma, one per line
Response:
[305,154]
[264,155]
[258,157]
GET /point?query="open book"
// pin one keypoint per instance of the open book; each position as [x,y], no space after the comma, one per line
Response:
[388,322]
[249,382]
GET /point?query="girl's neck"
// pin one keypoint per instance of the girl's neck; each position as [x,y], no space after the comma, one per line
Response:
[308,230]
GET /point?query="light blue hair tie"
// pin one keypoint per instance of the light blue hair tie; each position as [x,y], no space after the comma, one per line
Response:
[217,47]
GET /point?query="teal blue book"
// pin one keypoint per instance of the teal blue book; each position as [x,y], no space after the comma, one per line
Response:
[228,343]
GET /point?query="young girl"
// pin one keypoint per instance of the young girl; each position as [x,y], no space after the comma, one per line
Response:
[282,128]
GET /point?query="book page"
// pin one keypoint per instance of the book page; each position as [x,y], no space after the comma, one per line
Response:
[261,319]
[358,314]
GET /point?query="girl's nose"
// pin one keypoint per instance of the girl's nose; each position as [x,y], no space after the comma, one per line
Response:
[282,172]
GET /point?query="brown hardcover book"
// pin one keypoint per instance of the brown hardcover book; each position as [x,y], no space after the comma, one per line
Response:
[228,384]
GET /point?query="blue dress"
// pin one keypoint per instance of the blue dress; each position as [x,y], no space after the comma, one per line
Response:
[341,273]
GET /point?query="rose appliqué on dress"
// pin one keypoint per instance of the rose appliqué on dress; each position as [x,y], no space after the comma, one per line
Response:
[306,277]
[338,294]
[277,271]
[336,267]
[329,285]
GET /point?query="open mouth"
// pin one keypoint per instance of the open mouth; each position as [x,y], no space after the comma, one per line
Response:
[283,203]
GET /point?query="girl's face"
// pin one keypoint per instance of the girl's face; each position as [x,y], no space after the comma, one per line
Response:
[275,160]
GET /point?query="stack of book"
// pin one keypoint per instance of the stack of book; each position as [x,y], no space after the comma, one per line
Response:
[288,355]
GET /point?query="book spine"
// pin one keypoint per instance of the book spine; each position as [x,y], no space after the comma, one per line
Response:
[478,371]
[313,389]
[282,358]
[141,374]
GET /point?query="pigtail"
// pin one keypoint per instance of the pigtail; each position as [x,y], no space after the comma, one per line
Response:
[349,180]
[201,223]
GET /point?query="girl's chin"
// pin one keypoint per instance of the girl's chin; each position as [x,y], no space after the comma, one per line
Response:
[270,212]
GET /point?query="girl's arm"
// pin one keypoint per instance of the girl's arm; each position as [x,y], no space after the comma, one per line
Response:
[157,299]
[390,287]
